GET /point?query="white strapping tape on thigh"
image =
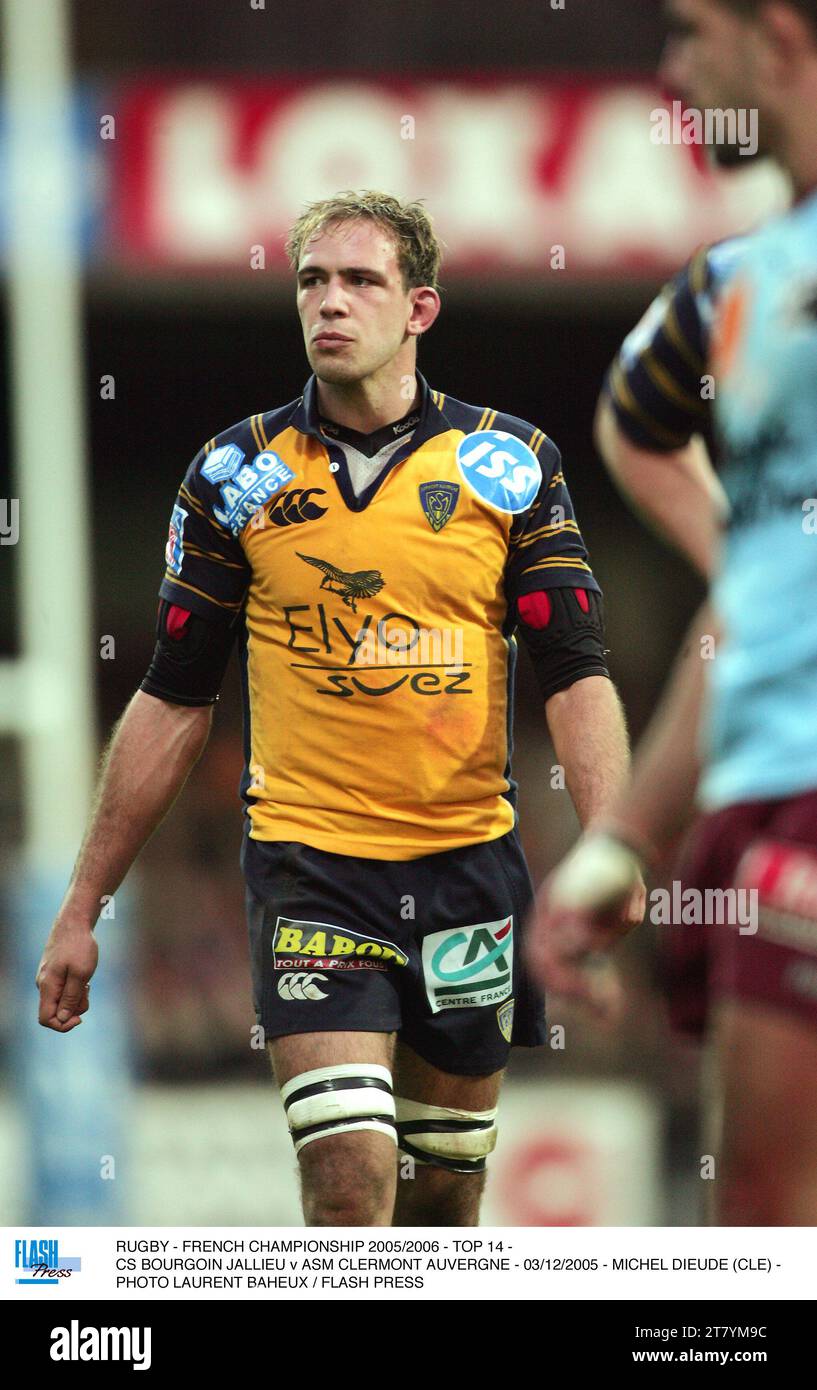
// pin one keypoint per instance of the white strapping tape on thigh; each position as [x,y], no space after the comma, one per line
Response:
[339,1099]
[449,1137]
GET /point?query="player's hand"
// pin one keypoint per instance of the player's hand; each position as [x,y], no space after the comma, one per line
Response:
[592,899]
[63,978]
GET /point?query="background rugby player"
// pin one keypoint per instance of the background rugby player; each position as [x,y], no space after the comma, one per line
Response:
[755,771]
[344,537]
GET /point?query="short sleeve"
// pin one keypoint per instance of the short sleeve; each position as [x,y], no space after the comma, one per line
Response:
[207,569]
[546,549]
[655,382]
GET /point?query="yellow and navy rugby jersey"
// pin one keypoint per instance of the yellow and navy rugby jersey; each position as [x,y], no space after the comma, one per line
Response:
[376,631]
[656,382]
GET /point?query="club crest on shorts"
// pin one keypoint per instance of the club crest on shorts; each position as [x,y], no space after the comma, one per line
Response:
[439,501]
[466,967]
[504,1017]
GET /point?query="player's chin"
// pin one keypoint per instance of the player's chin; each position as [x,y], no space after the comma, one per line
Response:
[335,373]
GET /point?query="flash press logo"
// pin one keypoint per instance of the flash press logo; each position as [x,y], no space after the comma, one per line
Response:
[686,125]
[39,1262]
[75,1343]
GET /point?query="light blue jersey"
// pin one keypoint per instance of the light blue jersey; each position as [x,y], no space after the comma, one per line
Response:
[760,739]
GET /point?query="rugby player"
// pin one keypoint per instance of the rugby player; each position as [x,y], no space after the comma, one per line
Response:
[734,735]
[372,546]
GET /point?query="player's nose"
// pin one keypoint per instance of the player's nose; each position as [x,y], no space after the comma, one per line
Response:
[334,299]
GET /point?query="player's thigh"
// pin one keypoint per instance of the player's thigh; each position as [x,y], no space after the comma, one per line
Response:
[446,1123]
[302,1052]
[338,1096]
[416,1079]
[766,1093]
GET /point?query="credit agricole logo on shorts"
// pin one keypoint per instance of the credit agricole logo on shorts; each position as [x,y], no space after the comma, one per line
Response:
[468,966]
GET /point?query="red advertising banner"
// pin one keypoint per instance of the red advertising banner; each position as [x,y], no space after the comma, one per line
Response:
[571,177]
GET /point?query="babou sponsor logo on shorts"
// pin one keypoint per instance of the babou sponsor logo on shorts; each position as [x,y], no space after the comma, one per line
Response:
[298,945]
[75,1343]
[469,966]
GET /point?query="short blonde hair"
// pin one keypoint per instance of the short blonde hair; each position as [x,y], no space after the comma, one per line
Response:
[418,250]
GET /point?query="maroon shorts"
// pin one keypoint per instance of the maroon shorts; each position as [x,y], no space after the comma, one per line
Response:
[764,947]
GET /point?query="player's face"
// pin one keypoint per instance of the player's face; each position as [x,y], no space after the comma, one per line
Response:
[353,305]
[709,61]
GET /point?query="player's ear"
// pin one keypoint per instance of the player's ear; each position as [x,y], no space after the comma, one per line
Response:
[787,37]
[425,306]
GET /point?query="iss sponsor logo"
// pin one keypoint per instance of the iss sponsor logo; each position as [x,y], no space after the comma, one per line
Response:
[250,488]
[301,987]
[439,500]
[501,469]
[466,967]
[174,551]
[127,1344]
[298,945]
[504,1017]
[222,463]
[38,1261]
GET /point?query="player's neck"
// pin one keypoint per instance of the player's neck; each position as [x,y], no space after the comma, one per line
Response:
[368,405]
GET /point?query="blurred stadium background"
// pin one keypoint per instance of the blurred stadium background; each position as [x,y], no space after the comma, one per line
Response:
[196,131]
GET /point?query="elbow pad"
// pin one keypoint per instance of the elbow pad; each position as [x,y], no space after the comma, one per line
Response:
[563,629]
[190,657]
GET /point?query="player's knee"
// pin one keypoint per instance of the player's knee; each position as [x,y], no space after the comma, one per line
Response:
[429,1196]
[348,1180]
[442,1164]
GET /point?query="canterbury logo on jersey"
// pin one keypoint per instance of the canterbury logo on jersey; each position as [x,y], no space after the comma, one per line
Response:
[296,505]
[350,586]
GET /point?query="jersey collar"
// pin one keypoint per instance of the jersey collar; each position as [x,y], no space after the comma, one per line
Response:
[432,422]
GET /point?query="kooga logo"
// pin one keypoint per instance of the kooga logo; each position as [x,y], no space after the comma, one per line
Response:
[75,1343]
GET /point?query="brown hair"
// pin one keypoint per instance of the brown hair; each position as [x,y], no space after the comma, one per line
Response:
[409,225]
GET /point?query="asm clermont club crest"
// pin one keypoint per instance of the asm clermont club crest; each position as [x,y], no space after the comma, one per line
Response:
[438,502]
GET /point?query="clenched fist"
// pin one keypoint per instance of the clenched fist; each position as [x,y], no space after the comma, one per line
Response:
[63,978]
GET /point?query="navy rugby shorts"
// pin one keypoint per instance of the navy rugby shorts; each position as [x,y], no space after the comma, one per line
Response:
[428,947]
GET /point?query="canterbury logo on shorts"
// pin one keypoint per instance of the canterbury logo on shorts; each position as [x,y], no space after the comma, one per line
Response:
[301,988]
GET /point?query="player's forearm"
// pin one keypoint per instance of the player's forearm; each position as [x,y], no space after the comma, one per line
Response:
[154,748]
[678,494]
[589,735]
[660,799]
